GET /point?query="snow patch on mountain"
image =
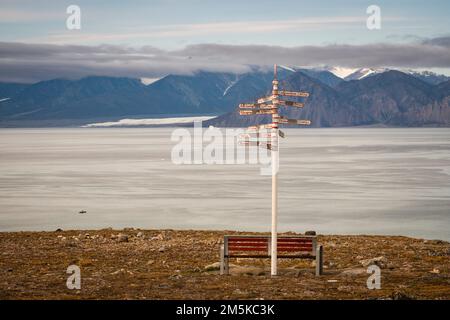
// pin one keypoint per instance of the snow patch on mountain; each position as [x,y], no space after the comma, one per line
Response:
[232,83]
[364,72]
[147,81]
[340,72]
[287,68]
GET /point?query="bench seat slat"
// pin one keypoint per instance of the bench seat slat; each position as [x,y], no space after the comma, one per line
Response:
[268,238]
[265,243]
[256,244]
[284,249]
[247,249]
[290,256]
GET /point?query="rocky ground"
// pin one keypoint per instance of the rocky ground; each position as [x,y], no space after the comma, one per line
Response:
[168,264]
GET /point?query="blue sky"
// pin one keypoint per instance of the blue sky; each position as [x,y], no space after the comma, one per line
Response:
[173,25]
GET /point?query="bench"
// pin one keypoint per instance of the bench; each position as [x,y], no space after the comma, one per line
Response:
[288,247]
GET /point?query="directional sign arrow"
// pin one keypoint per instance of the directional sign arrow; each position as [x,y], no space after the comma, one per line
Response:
[256,106]
[266,145]
[257,135]
[281,133]
[263,126]
[253,112]
[283,120]
[265,99]
[293,93]
[291,103]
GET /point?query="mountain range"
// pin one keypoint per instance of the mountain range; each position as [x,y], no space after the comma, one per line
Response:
[361,97]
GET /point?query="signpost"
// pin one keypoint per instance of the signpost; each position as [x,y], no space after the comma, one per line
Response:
[269,105]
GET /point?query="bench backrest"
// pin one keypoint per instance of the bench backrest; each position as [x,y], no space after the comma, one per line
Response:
[291,244]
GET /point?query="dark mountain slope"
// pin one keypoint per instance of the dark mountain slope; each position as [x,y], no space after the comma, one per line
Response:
[323,76]
[389,98]
[324,107]
[10,90]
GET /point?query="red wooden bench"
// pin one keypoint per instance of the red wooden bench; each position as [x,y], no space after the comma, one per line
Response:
[288,247]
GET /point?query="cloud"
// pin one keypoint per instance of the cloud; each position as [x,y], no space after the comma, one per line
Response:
[11,15]
[439,41]
[23,62]
[210,28]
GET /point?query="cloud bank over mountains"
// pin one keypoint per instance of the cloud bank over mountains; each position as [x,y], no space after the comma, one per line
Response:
[24,62]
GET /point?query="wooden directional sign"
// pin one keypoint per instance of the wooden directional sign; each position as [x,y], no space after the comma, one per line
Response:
[266,145]
[256,106]
[265,99]
[257,135]
[283,120]
[253,112]
[293,93]
[263,126]
[291,103]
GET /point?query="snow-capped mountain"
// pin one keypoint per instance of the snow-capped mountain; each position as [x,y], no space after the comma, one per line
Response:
[427,76]
[340,72]
[362,73]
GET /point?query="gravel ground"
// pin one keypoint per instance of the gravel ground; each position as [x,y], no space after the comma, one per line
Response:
[169,264]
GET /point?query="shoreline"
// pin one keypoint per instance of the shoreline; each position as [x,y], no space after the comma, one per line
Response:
[182,264]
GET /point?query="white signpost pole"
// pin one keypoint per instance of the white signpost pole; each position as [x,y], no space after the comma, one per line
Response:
[273,269]
[275,159]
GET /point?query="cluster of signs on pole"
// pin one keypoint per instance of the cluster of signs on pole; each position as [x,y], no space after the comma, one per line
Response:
[266,135]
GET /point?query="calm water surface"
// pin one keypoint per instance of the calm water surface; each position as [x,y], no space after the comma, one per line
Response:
[335,181]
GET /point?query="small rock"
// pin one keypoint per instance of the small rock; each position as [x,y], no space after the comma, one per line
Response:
[113,236]
[122,271]
[354,272]
[379,261]
[158,237]
[118,271]
[212,267]
[310,233]
[140,235]
[436,271]
[345,288]
[150,262]
[332,281]
[401,296]
[238,291]
[122,237]
[162,249]
[58,230]
[247,270]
